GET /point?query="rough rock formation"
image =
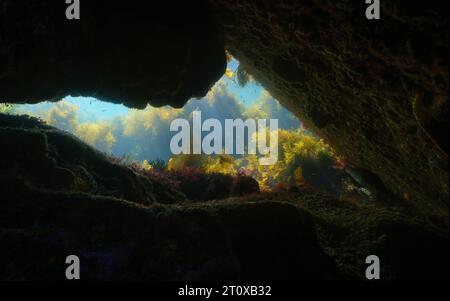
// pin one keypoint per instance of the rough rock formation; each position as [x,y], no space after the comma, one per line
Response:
[116,239]
[376,90]
[48,158]
[349,231]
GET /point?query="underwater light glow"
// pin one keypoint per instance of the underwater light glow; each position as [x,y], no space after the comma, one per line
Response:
[145,134]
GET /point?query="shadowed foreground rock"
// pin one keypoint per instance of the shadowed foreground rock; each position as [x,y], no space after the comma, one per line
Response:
[115,239]
[48,158]
[410,245]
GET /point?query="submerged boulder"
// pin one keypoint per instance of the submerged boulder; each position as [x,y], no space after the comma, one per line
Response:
[48,158]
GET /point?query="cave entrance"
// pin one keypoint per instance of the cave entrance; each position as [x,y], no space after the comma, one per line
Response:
[142,137]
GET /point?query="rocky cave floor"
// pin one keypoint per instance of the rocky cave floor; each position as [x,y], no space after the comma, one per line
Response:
[58,196]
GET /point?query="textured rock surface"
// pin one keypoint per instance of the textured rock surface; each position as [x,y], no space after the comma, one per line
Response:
[48,158]
[349,231]
[265,237]
[119,240]
[376,90]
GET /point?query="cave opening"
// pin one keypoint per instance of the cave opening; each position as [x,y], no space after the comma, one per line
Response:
[141,137]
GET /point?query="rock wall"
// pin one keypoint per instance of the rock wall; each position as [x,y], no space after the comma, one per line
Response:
[46,158]
[376,90]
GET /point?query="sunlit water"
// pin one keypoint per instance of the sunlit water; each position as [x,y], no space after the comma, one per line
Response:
[145,134]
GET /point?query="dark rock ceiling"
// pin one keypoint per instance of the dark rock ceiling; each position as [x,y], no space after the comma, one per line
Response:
[133,52]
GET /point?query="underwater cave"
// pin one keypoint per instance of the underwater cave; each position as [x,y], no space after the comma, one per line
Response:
[86,108]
